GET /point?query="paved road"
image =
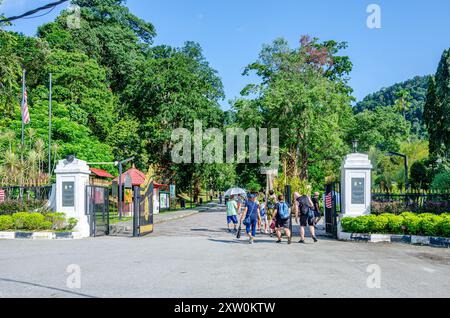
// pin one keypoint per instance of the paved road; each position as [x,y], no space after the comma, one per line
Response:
[195,257]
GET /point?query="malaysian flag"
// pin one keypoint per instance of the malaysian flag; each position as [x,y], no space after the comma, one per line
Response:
[25,112]
[2,195]
[329,200]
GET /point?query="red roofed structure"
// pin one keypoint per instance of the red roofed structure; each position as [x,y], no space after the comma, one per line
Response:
[100,177]
[137,177]
[101,173]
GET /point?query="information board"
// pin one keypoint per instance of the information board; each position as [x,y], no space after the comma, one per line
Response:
[358,191]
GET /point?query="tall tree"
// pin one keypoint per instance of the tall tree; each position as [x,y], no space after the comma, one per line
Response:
[303,93]
[437,109]
[108,33]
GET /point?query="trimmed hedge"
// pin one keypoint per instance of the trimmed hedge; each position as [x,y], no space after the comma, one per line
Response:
[36,222]
[406,223]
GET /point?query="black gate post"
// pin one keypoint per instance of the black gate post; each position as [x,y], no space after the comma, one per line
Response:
[136,210]
[288,200]
[335,226]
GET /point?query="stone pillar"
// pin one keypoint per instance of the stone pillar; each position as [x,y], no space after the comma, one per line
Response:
[356,185]
[72,177]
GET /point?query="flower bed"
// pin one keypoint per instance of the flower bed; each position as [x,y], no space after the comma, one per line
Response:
[24,221]
[407,223]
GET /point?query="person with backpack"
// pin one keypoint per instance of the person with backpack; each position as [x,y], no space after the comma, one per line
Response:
[251,217]
[305,209]
[282,217]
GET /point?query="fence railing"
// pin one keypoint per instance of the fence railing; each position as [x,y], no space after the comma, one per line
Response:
[418,202]
[23,199]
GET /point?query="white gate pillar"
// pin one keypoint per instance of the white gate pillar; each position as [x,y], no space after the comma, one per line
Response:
[72,177]
[356,184]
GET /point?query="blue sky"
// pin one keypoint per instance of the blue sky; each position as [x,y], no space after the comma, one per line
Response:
[410,42]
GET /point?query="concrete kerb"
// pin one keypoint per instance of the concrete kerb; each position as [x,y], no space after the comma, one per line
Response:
[40,235]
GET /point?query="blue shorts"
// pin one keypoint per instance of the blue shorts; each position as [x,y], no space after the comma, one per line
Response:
[233,219]
[252,227]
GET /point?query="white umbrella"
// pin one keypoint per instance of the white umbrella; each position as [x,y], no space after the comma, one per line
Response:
[235,191]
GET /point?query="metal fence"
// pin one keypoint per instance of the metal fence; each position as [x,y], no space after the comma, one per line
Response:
[418,202]
[23,199]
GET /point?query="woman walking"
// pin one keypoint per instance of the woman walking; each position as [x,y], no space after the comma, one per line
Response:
[251,217]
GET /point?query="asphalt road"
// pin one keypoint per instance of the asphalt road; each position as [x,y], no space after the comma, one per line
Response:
[196,257]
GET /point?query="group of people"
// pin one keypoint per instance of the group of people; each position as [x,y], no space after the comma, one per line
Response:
[255,215]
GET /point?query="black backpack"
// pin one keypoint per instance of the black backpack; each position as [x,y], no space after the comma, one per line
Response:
[304,209]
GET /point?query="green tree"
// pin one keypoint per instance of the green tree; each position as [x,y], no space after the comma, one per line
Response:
[403,104]
[108,33]
[303,93]
[383,128]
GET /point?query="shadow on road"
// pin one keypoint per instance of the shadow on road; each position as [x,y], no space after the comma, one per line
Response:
[46,287]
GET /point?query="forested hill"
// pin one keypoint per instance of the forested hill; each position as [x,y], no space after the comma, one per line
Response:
[416,89]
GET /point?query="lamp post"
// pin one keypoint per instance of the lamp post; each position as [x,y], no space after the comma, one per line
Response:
[355,146]
[405,158]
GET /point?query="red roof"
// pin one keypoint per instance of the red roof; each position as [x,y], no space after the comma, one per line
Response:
[101,173]
[137,177]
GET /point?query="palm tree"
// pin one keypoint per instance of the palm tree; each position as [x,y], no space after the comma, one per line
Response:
[11,167]
[40,151]
[32,168]
[11,137]
[31,133]
[403,103]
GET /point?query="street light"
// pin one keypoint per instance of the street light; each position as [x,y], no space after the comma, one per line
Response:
[355,146]
[405,158]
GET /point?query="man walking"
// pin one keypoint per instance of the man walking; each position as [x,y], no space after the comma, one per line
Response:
[232,209]
[282,216]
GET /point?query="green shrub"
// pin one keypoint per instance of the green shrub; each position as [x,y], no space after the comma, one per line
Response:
[19,220]
[72,223]
[30,221]
[58,220]
[378,224]
[441,181]
[395,224]
[412,223]
[6,222]
[444,226]
[347,224]
[361,224]
[430,224]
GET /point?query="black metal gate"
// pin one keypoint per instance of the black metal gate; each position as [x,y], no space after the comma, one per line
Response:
[332,207]
[104,218]
[143,211]
[97,201]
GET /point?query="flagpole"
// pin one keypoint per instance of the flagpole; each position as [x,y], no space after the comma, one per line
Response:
[23,102]
[50,127]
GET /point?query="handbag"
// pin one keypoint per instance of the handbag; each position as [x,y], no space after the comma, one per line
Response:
[247,217]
